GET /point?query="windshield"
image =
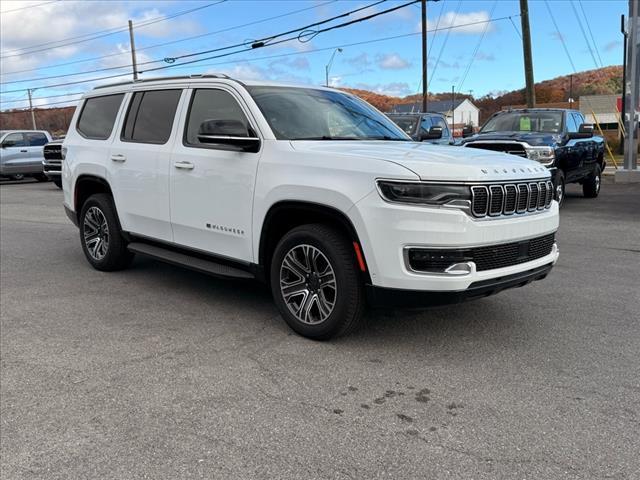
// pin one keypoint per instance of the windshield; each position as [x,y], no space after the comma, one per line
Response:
[310,114]
[548,122]
[407,124]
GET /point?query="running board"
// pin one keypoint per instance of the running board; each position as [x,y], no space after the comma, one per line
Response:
[194,263]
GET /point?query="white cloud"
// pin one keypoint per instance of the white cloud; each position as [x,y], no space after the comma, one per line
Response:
[392,61]
[474,22]
[393,89]
[613,45]
[359,62]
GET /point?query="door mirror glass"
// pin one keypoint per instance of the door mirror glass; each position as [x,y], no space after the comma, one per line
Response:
[224,128]
[467,131]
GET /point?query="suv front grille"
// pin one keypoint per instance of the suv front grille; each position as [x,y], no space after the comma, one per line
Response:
[486,258]
[496,200]
[52,152]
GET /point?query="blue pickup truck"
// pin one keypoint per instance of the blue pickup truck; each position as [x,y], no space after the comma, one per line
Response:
[557,138]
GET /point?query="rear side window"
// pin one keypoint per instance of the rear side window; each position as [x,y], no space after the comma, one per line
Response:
[35,139]
[98,116]
[150,116]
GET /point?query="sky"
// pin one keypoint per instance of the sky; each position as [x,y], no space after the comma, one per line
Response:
[474,45]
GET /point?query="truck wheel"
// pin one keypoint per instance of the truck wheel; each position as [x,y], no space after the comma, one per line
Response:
[58,182]
[560,186]
[101,236]
[315,282]
[591,186]
[17,177]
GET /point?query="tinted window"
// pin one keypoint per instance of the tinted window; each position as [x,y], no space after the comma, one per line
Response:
[211,105]
[98,116]
[571,123]
[36,139]
[406,123]
[529,121]
[150,117]
[14,140]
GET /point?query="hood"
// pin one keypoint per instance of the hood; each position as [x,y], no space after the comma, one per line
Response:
[532,138]
[433,162]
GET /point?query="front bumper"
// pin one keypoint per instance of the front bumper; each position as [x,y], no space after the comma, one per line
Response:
[389,297]
[52,169]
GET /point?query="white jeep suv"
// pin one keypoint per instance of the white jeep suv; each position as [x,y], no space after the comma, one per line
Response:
[308,189]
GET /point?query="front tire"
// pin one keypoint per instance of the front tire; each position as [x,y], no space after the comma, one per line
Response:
[41,177]
[57,182]
[315,282]
[591,186]
[101,236]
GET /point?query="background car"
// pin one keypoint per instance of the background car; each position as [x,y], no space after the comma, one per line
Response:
[52,163]
[21,154]
[424,127]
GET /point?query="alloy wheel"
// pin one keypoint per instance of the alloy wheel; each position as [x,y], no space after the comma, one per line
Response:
[308,284]
[96,233]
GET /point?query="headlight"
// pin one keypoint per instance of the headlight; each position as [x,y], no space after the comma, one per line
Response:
[544,155]
[423,193]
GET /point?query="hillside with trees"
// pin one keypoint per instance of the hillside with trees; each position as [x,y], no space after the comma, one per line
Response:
[607,80]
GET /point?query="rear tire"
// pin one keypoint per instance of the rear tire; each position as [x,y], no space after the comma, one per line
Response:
[560,188]
[57,182]
[101,235]
[591,186]
[315,282]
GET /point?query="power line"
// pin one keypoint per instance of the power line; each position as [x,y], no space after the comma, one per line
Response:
[42,98]
[446,39]
[475,51]
[560,36]
[103,33]
[586,21]
[276,17]
[28,6]
[453,27]
[35,107]
[584,34]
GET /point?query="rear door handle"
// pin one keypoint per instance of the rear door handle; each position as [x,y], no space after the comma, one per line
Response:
[184,165]
[118,158]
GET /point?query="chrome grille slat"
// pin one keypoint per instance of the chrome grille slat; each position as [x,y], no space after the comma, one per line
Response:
[497,199]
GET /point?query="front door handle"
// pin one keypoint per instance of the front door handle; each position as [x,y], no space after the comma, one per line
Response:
[118,158]
[184,165]
[24,151]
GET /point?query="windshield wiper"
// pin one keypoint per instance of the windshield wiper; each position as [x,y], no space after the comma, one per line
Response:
[386,137]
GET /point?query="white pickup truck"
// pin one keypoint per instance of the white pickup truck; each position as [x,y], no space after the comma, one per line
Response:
[308,189]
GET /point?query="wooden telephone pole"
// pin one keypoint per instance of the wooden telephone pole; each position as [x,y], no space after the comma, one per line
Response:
[424,55]
[526,51]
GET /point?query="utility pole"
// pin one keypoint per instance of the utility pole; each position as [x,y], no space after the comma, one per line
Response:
[33,115]
[571,88]
[623,30]
[453,110]
[134,64]
[630,173]
[526,51]
[424,55]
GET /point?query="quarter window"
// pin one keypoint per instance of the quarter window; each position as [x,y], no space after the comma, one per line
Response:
[98,116]
[210,105]
[150,116]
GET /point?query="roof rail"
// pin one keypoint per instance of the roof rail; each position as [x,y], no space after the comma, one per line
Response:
[179,77]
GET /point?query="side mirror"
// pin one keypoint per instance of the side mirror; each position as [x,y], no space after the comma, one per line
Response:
[467,131]
[228,132]
[434,134]
[584,131]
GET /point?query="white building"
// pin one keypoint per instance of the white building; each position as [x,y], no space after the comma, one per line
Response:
[464,111]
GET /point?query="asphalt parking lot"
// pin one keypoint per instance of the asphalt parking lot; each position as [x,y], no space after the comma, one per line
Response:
[159,372]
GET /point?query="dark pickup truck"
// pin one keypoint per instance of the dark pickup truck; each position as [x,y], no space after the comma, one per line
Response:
[559,139]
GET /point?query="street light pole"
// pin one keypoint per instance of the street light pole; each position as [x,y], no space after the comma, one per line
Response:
[328,66]
[623,30]
[632,94]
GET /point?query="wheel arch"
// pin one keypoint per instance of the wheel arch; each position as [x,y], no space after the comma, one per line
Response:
[87,185]
[288,214]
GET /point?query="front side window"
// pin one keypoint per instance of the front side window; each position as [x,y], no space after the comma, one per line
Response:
[36,139]
[425,126]
[14,140]
[579,119]
[572,126]
[150,116]
[440,122]
[544,121]
[98,116]
[213,108]
[311,114]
